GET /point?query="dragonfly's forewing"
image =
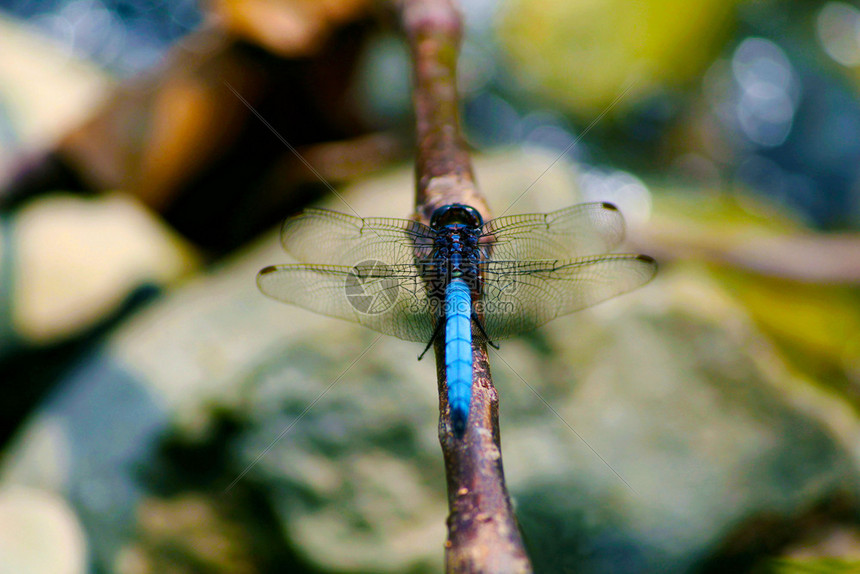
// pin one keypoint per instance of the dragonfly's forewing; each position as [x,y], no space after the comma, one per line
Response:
[577,231]
[522,295]
[327,237]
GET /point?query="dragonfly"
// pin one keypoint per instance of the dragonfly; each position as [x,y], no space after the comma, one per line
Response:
[458,278]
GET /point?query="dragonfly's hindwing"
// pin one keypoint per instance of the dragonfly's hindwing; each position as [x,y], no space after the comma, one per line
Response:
[522,295]
[390,299]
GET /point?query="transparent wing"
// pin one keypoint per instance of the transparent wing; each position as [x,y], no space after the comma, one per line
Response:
[388,299]
[577,231]
[522,295]
[332,238]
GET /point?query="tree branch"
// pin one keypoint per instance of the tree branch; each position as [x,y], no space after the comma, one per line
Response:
[832,258]
[442,166]
[483,535]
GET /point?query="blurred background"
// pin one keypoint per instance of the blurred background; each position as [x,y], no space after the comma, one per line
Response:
[154,413]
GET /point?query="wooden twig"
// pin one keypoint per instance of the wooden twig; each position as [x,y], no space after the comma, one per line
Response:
[483,535]
[442,166]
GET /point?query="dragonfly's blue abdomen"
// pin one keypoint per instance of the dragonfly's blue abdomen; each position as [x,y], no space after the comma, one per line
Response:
[458,352]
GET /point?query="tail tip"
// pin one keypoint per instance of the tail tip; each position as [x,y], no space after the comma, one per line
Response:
[458,421]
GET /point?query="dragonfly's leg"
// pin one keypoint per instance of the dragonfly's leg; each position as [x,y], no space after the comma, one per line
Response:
[483,332]
[436,332]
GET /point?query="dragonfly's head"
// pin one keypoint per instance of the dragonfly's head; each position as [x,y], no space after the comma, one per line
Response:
[455,214]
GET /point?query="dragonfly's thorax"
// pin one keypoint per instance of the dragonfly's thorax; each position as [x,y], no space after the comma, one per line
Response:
[456,255]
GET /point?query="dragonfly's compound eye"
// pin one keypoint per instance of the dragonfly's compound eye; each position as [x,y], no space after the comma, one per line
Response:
[454,214]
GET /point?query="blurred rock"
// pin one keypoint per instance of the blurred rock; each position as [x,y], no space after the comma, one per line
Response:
[45,92]
[76,261]
[39,533]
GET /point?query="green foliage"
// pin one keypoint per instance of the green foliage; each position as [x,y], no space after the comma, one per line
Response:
[582,55]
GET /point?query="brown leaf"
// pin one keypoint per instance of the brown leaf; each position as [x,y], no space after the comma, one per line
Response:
[290,28]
